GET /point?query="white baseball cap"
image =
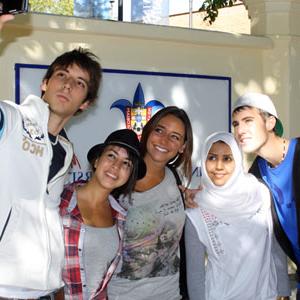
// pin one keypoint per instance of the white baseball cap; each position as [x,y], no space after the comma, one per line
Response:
[262,102]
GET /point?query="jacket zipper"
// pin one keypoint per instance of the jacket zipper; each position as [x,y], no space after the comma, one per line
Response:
[5,225]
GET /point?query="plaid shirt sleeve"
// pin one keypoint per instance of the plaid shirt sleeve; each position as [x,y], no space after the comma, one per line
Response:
[72,223]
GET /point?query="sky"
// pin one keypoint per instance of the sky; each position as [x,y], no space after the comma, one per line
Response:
[179,6]
[175,7]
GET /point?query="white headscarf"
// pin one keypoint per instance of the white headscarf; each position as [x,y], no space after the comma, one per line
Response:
[240,197]
[231,221]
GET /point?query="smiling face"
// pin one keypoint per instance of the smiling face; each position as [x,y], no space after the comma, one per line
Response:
[166,140]
[113,168]
[219,163]
[251,130]
[65,91]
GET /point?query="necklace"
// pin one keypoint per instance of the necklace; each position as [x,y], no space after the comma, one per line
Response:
[271,165]
[283,152]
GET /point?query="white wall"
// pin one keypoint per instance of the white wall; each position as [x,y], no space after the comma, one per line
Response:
[39,39]
[254,63]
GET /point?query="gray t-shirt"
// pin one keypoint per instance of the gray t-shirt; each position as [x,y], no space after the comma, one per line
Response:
[100,246]
[150,261]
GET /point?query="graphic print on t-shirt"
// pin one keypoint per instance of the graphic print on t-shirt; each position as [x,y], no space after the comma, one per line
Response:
[153,231]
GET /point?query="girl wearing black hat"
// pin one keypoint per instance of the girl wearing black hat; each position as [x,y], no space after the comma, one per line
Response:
[155,217]
[89,212]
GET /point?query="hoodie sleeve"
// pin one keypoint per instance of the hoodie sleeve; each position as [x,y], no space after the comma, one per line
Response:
[8,118]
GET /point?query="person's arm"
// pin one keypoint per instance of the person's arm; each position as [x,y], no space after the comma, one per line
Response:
[195,263]
[280,260]
[4,19]
[189,195]
[8,118]
[59,295]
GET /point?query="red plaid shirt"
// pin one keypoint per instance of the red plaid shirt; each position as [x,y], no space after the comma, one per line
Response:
[72,222]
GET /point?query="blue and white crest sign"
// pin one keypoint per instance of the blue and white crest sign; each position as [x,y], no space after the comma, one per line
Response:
[130,98]
[138,113]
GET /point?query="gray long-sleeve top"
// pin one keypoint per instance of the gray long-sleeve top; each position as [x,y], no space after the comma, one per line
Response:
[195,265]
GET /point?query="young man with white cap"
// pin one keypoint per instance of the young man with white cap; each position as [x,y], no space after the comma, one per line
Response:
[258,130]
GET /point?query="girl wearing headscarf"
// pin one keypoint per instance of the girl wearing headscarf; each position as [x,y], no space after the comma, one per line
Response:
[232,226]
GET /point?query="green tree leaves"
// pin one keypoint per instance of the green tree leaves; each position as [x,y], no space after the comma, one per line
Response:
[66,7]
[212,8]
[57,7]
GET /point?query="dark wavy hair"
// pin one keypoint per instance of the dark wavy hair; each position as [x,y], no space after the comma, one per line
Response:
[127,188]
[184,159]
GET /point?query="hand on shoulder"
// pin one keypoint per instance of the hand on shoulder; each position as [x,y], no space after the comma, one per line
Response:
[189,195]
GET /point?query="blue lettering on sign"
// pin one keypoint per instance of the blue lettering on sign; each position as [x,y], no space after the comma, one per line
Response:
[197,172]
[79,175]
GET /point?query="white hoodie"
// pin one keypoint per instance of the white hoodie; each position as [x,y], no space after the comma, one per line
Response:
[31,236]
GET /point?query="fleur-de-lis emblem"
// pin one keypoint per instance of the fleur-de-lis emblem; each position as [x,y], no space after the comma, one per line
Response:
[137,114]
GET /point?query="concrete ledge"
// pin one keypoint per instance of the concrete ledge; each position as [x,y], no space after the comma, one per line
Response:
[74,25]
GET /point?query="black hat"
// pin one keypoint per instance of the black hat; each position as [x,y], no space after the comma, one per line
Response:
[125,138]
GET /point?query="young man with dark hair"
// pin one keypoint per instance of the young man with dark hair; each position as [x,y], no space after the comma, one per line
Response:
[258,130]
[35,157]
